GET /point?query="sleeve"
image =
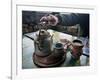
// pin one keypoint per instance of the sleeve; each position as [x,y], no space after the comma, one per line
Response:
[68,19]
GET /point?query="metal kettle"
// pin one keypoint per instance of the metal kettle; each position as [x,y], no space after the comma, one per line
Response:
[43,44]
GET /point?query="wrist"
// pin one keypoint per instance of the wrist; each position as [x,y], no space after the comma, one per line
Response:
[59,19]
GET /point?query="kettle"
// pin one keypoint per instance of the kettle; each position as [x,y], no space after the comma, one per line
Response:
[43,44]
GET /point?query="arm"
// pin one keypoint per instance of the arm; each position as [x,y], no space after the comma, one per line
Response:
[68,19]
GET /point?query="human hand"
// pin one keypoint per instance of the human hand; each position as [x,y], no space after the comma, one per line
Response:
[50,20]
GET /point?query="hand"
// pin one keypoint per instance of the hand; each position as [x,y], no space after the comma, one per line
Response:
[51,20]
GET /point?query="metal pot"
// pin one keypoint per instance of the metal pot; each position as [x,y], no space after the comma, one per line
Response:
[43,43]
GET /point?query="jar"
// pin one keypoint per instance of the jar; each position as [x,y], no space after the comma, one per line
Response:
[77,46]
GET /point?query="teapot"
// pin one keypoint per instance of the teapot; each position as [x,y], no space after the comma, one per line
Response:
[43,44]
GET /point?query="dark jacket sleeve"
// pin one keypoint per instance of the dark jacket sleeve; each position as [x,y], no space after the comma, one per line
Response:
[68,19]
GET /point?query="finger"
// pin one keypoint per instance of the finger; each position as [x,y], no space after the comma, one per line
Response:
[43,18]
